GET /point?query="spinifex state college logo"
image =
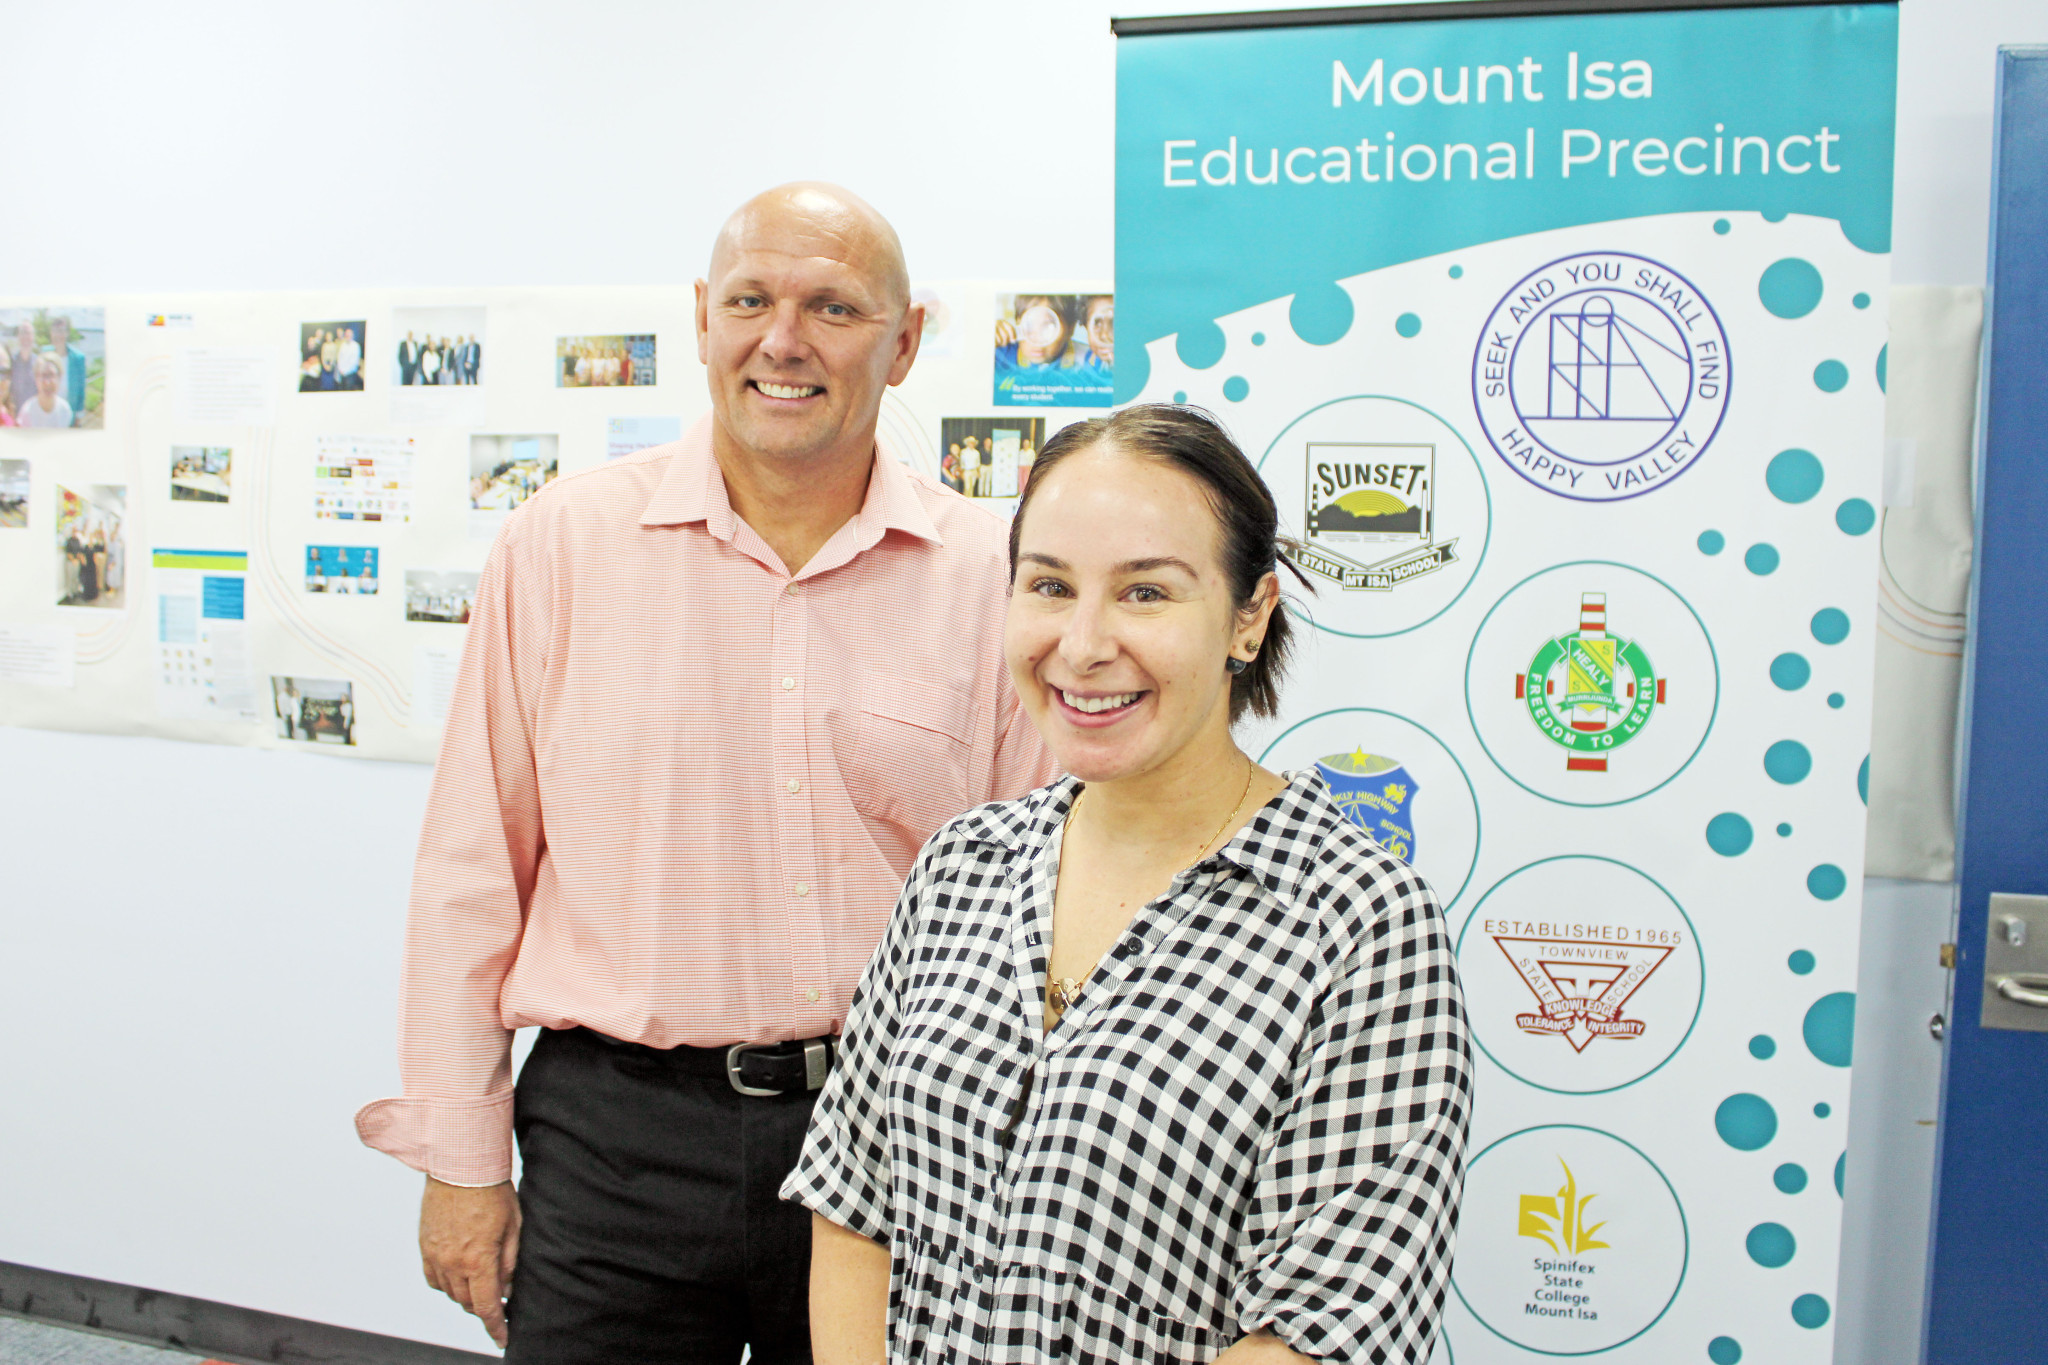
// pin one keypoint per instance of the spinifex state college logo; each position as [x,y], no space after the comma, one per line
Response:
[1590,692]
[1601,376]
[1370,521]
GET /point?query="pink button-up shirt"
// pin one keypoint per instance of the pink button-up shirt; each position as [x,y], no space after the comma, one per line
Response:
[680,789]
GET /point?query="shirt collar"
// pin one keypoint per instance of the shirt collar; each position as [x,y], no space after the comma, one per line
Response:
[692,489]
[1279,846]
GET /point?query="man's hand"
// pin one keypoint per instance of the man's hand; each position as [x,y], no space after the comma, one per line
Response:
[469,1242]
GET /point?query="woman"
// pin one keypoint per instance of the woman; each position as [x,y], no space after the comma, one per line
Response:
[1165,1062]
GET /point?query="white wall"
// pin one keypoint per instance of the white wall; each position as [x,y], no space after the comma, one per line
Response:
[198,946]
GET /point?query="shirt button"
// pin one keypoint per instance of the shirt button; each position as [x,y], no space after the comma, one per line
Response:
[812,995]
[793,785]
[793,589]
[803,888]
[788,684]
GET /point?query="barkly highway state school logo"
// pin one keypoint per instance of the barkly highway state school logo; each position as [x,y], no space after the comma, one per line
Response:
[1601,376]
[1590,692]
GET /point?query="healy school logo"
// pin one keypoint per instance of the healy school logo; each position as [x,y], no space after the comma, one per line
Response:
[1590,692]
[1601,376]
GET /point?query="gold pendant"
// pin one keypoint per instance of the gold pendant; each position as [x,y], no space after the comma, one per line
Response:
[1063,993]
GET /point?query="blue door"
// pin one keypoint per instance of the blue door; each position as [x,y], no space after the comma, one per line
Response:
[1988,1262]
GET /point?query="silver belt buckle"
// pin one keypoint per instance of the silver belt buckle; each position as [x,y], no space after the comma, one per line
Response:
[817,1066]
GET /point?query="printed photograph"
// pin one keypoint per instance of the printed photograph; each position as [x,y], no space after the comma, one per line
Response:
[314,710]
[440,595]
[505,471]
[13,495]
[625,436]
[1055,350]
[437,347]
[342,569]
[989,457]
[200,473]
[56,365]
[92,546]
[331,356]
[603,362]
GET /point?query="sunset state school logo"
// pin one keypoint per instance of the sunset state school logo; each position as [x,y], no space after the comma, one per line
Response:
[1370,521]
[1601,376]
[1590,692]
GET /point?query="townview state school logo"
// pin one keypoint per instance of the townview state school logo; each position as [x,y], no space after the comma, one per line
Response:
[1590,692]
[1580,985]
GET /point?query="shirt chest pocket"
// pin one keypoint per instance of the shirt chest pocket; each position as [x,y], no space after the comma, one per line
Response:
[911,755]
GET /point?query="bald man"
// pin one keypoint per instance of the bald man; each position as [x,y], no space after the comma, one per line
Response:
[714,698]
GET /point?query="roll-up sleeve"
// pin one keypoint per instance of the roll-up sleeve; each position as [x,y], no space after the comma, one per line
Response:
[1348,1251]
[843,1175]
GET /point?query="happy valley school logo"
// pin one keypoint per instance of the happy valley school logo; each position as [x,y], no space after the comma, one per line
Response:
[1370,523]
[1580,985]
[1601,376]
[1590,692]
[1378,796]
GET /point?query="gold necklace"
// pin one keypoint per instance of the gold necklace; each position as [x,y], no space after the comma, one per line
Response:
[1060,994]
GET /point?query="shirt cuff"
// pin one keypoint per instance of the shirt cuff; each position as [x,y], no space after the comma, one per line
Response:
[458,1142]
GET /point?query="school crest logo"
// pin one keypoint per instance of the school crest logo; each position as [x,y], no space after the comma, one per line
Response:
[1370,521]
[1601,376]
[1581,985]
[1559,1220]
[1378,794]
[1590,692]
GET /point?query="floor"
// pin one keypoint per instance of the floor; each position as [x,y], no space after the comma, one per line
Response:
[25,1341]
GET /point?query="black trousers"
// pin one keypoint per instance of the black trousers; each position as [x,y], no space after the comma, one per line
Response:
[652,1231]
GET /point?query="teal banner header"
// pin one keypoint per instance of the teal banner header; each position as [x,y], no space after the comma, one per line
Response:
[1254,164]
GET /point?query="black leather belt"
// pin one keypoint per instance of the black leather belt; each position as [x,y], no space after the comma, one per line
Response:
[764,1069]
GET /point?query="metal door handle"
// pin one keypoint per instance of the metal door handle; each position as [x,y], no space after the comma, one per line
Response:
[2025,988]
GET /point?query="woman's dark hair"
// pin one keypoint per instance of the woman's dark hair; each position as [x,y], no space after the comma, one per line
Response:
[1248,523]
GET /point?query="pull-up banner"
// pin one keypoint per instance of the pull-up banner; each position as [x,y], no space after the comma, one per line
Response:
[1560,340]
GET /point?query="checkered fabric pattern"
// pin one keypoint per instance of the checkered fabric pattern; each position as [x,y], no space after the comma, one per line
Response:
[1254,1117]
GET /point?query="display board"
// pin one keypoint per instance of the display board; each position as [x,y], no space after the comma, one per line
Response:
[258,519]
[1561,342]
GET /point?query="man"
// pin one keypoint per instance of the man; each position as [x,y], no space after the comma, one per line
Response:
[73,361]
[46,407]
[350,359]
[713,700]
[472,359]
[408,361]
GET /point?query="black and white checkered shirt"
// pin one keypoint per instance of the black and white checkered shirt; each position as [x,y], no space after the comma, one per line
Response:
[1254,1116]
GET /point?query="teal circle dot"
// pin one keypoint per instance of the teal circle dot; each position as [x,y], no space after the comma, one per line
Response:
[1457,272]
[1787,761]
[1770,1245]
[1746,1122]
[1180,395]
[1794,475]
[1784,830]
[1408,324]
[1830,1028]
[1810,1310]
[1724,1351]
[1841,1164]
[1855,516]
[1729,834]
[1822,1110]
[1835,700]
[1763,1047]
[1861,300]
[1863,780]
[1258,338]
[1790,288]
[1830,376]
[1790,1178]
[1774,215]
[1826,882]
[1236,387]
[1801,962]
[1791,671]
[1712,542]
[1721,226]
[1882,353]
[1761,559]
[1830,625]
